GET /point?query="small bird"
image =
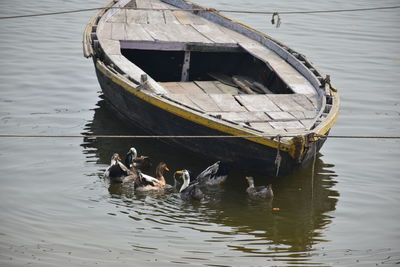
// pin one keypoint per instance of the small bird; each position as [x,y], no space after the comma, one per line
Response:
[189,191]
[259,191]
[117,170]
[132,160]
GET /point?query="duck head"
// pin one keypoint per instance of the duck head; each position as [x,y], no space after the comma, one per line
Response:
[250,180]
[132,151]
[186,178]
[115,158]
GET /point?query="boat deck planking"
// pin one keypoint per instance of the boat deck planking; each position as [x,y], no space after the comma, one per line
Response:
[264,112]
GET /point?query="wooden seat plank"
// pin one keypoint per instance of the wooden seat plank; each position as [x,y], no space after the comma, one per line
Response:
[303,101]
[227,102]
[285,102]
[190,88]
[118,17]
[213,33]
[264,127]
[280,115]
[134,16]
[205,102]
[226,89]
[208,87]
[257,103]
[243,116]
[184,99]
[118,31]
[135,32]
[286,124]
[155,17]
[185,17]
[170,18]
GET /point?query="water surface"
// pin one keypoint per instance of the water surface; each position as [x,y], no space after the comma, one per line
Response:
[58,210]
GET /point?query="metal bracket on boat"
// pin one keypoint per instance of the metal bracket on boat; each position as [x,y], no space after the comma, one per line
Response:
[327,81]
[143,82]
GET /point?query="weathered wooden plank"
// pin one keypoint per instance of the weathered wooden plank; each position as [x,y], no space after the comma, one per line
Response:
[208,87]
[111,47]
[136,32]
[118,17]
[182,33]
[227,102]
[160,5]
[205,102]
[246,116]
[286,124]
[303,101]
[257,103]
[213,33]
[185,17]
[264,127]
[118,31]
[285,102]
[313,99]
[190,88]
[226,89]
[173,88]
[143,4]
[170,18]
[104,31]
[158,32]
[136,16]
[155,17]
[280,115]
[184,99]
[308,123]
[187,33]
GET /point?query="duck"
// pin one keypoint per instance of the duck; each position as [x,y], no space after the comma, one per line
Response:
[117,170]
[259,191]
[132,160]
[215,174]
[147,182]
[189,191]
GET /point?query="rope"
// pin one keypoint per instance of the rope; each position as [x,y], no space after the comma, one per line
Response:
[191,136]
[274,13]
[278,158]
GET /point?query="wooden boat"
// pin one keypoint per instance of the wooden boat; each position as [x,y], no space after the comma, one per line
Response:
[178,69]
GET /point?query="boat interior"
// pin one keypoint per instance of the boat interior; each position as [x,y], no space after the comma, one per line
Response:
[209,68]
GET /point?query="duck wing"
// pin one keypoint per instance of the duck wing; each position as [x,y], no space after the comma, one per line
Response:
[213,175]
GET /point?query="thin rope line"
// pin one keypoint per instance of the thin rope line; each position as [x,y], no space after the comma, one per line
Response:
[191,136]
[202,9]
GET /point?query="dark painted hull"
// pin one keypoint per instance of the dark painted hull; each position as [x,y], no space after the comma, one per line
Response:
[238,152]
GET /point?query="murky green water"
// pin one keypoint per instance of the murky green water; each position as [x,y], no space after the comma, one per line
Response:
[57,210]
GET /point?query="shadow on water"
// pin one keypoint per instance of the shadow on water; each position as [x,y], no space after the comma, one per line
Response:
[294,221]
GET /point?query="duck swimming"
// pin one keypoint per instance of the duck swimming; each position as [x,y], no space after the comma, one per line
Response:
[117,170]
[215,174]
[132,160]
[259,191]
[189,191]
[147,182]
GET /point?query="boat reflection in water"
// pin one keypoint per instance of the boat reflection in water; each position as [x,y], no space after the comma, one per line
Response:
[294,221]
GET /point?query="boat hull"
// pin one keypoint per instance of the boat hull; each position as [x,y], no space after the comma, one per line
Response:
[239,153]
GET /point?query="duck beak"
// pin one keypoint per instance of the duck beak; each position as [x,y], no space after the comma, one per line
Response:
[119,158]
[166,168]
[179,172]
